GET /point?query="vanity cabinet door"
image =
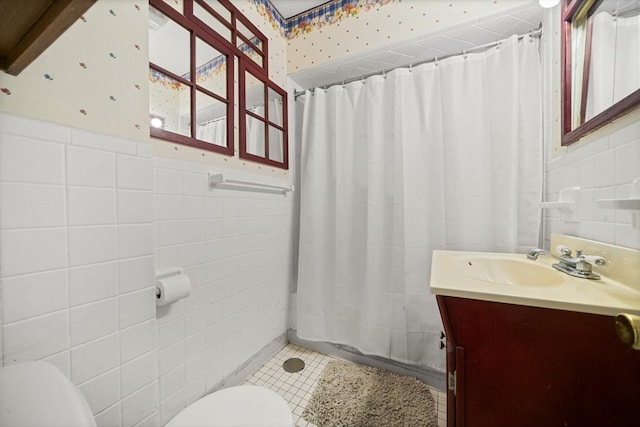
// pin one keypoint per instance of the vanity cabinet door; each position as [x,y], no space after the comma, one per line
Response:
[455,371]
[527,366]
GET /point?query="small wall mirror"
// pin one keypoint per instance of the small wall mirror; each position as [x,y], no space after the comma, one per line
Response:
[189,109]
[263,119]
[601,63]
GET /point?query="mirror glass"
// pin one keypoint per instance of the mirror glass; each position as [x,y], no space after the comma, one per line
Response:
[254,94]
[255,136]
[275,107]
[169,43]
[170,104]
[218,8]
[169,98]
[211,119]
[215,24]
[265,110]
[211,68]
[275,144]
[211,113]
[248,48]
[602,47]
[254,102]
[614,64]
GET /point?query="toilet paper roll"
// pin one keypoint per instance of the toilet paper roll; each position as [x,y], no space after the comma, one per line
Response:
[172,289]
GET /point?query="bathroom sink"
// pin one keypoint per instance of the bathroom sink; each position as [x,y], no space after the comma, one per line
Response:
[510,271]
[511,278]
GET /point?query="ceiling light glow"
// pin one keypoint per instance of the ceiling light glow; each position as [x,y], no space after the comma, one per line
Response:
[157,122]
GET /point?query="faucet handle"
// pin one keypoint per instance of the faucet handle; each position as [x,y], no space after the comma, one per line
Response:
[594,259]
[563,250]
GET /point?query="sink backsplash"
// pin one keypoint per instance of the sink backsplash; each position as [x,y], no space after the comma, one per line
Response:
[623,264]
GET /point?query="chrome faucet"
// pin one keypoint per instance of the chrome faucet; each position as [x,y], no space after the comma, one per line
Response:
[534,254]
[578,266]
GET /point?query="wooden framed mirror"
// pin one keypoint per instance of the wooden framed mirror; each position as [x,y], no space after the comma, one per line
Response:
[600,64]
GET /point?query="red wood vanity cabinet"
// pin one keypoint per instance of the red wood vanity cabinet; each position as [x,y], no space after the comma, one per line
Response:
[521,366]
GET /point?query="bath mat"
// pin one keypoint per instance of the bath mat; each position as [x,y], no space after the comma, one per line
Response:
[353,395]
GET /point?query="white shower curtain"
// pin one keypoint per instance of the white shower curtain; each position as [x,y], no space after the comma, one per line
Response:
[214,131]
[615,61]
[255,131]
[443,156]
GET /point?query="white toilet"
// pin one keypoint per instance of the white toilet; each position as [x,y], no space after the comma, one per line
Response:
[241,406]
[38,394]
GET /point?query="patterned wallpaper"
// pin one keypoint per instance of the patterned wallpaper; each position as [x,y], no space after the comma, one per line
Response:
[345,27]
[93,77]
[316,18]
[271,15]
[96,76]
[268,21]
[210,70]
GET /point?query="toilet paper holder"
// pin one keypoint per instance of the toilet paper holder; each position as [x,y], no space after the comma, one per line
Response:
[163,274]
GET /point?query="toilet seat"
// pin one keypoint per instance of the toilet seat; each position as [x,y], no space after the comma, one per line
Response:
[39,394]
[241,406]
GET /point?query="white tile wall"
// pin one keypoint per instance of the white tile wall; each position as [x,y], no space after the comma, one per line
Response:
[29,295]
[36,337]
[46,159]
[91,206]
[92,282]
[102,392]
[91,168]
[141,406]
[32,250]
[90,245]
[79,247]
[137,340]
[603,168]
[138,373]
[76,250]
[234,246]
[92,321]
[46,202]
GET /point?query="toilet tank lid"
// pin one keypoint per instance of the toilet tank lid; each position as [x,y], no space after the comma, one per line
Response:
[38,393]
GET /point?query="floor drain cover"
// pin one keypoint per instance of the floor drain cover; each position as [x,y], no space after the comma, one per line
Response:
[293,365]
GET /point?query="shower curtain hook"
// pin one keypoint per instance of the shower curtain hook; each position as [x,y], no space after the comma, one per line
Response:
[464,53]
[436,61]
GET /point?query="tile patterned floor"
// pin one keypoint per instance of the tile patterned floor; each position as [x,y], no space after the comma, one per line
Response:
[296,388]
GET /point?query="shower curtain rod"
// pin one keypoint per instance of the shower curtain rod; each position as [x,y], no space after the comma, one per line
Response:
[212,121]
[533,33]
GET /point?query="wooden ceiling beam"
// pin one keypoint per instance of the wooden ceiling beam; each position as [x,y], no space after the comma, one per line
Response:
[46,29]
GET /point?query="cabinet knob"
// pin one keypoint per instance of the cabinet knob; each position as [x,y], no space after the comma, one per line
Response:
[628,329]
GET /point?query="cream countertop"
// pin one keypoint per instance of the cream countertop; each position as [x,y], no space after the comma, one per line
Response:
[452,275]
